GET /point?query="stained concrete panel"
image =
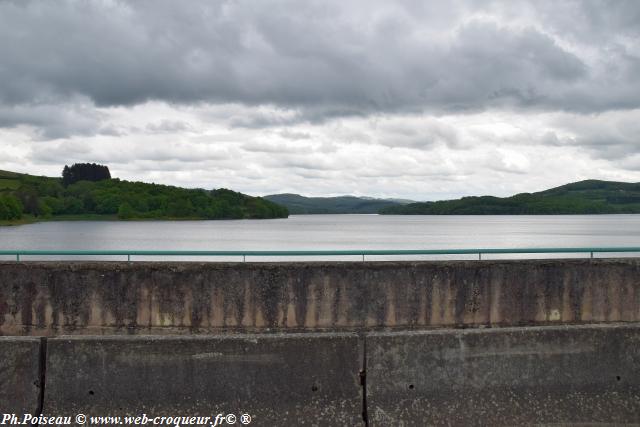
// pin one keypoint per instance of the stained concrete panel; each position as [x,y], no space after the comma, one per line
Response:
[98,298]
[19,375]
[294,379]
[564,375]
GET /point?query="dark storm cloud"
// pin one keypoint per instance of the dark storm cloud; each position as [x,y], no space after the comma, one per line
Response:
[317,58]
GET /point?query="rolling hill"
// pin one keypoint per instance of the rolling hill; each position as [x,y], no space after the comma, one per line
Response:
[297,204]
[584,197]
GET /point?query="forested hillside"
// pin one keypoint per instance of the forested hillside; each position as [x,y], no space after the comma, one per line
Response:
[584,197]
[89,193]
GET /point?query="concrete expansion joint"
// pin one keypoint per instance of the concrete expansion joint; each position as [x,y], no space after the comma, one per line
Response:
[363,380]
[42,382]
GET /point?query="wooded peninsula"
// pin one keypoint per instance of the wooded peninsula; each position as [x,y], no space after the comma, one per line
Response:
[87,191]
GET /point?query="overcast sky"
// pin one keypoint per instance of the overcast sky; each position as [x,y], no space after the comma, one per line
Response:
[413,99]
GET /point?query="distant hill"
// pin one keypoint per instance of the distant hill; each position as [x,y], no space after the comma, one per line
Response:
[26,198]
[297,204]
[584,197]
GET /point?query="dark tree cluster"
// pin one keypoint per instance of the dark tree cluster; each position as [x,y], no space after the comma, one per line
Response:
[84,172]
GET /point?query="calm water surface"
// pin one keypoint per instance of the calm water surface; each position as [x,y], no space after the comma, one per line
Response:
[332,232]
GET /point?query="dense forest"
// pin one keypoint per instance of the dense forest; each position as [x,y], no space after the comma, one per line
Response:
[88,191]
[584,197]
[298,204]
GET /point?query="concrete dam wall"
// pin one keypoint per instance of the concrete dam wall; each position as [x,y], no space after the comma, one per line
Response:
[48,299]
[390,343]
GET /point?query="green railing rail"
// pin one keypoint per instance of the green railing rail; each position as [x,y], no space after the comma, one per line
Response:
[324,253]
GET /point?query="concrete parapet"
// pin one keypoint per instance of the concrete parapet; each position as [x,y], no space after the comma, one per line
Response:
[573,375]
[20,375]
[293,379]
[93,298]
[552,375]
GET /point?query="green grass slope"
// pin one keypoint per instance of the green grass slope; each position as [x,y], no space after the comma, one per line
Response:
[297,204]
[584,197]
[45,198]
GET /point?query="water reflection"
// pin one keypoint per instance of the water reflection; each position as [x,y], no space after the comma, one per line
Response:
[332,232]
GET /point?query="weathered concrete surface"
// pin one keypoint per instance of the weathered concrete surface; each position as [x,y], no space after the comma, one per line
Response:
[190,298]
[292,379]
[571,375]
[19,375]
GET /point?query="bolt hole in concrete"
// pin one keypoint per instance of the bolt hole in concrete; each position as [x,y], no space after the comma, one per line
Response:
[410,386]
[314,388]
[91,392]
[618,377]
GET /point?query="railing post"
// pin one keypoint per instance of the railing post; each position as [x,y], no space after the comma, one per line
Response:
[244,258]
[592,254]
[128,257]
[18,257]
[362,257]
[479,256]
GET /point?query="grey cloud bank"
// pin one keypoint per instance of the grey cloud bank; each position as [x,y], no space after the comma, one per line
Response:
[402,99]
[361,57]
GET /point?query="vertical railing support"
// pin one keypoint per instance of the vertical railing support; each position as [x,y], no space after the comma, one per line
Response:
[479,256]
[362,257]
[128,257]
[18,257]
[244,258]
[591,254]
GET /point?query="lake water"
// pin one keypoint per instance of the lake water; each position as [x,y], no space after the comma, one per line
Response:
[328,232]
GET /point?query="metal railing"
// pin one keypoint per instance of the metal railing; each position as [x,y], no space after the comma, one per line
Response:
[318,253]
